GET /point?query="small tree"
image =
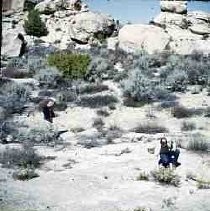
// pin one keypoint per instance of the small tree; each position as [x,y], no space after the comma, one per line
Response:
[34,25]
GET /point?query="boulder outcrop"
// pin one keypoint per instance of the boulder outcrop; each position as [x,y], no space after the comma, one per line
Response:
[148,37]
[182,32]
[179,7]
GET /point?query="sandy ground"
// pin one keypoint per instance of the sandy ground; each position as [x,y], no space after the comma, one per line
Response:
[104,178]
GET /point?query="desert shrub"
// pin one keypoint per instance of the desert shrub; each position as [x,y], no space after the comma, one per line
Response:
[168,104]
[198,142]
[99,68]
[182,112]
[195,69]
[177,81]
[203,184]
[150,128]
[167,176]
[93,88]
[142,209]
[130,102]
[113,132]
[72,65]
[14,96]
[49,77]
[15,73]
[142,88]
[39,134]
[21,157]
[98,123]
[143,176]
[102,112]
[188,126]
[25,174]
[97,101]
[34,25]
[207,112]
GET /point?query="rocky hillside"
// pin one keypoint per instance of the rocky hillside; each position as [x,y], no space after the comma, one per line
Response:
[114,100]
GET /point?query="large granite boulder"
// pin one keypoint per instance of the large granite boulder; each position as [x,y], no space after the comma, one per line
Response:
[165,19]
[187,46]
[11,44]
[199,15]
[51,6]
[93,25]
[148,37]
[179,7]
[201,29]
[15,5]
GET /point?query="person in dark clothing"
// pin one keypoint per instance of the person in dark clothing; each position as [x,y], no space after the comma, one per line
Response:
[168,153]
[165,157]
[48,111]
[23,48]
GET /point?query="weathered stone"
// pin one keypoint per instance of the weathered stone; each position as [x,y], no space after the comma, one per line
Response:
[200,29]
[150,38]
[179,7]
[167,18]
[91,24]
[15,5]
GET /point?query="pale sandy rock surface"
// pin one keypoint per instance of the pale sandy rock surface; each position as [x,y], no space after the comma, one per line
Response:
[174,6]
[104,177]
[168,18]
[15,5]
[137,36]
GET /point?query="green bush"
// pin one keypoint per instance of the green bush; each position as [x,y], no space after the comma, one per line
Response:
[167,176]
[34,25]
[70,64]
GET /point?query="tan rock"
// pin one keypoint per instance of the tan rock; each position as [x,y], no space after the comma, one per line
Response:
[179,7]
[148,37]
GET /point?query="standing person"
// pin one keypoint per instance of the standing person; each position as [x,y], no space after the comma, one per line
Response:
[48,110]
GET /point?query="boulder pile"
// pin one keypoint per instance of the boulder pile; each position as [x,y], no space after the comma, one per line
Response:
[176,30]
[67,21]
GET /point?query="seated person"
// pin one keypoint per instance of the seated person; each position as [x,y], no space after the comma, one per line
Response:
[168,153]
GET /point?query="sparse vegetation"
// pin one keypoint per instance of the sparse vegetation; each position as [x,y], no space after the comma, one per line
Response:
[96,101]
[25,174]
[143,176]
[14,96]
[182,112]
[188,126]
[198,142]
[203,184]
[22,158]
[103,112]
[166,176]
[93,88]
[150,128]
[98,124]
